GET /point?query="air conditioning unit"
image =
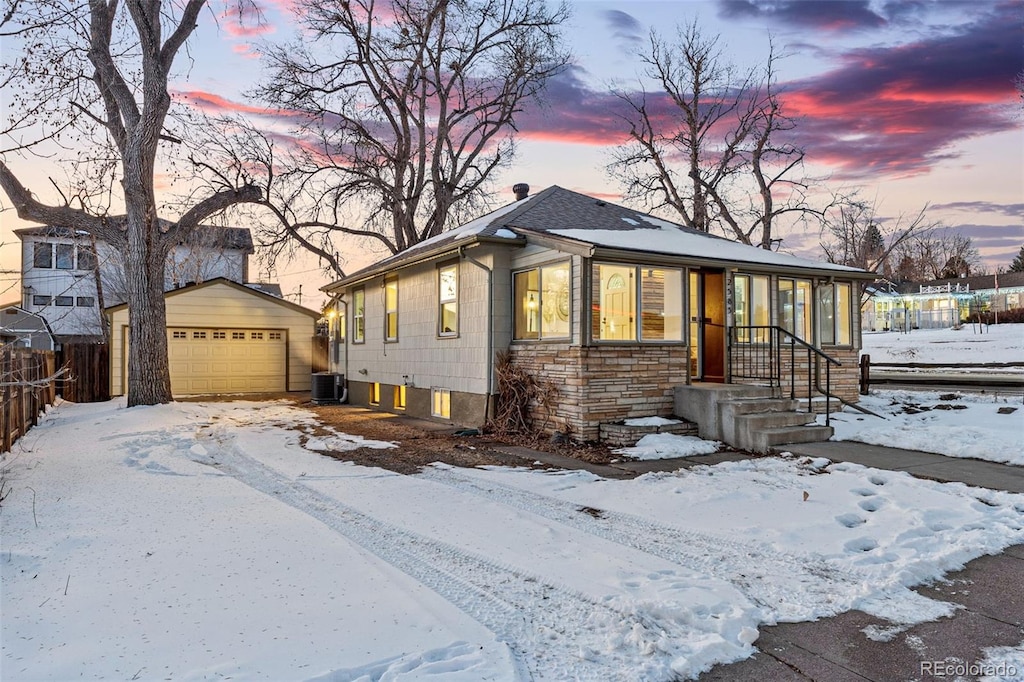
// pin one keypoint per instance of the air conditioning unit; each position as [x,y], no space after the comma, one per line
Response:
[327,388]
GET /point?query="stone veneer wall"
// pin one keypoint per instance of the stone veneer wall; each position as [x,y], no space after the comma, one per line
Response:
[845,378]
[604,383]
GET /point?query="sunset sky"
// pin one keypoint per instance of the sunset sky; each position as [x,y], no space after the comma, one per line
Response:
[911,102]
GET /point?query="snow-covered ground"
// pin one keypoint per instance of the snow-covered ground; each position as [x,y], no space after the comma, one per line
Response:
[956,424]
[987,425]
[969,344]
[200,540]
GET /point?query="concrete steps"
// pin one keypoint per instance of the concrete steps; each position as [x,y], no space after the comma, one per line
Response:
[747,417]
[770,439]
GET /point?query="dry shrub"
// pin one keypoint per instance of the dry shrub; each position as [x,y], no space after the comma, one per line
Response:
[517,391]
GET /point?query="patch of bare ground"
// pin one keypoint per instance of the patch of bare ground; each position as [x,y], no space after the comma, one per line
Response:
[423,442]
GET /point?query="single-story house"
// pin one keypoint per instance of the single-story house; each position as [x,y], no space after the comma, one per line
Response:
[940,303]
[613,305]
[25,328]
[225,337]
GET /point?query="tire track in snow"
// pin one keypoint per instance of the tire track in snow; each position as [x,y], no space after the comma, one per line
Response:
[555,632]
[765,574]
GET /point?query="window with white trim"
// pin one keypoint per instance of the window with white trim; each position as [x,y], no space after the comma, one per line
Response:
[441,403]
[448,300]
[359,316]
[65,256]
[86,258]
[42,255]
[391,309]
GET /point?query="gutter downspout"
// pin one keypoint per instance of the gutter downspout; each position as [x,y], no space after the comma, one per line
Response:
[490,328]
[344,389]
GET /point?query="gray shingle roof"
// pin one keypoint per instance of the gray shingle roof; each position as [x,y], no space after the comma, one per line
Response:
[563,213]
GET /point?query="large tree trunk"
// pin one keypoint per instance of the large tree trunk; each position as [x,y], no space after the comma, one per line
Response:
[147,351]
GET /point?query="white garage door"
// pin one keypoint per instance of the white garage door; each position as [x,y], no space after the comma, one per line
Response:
[226,360]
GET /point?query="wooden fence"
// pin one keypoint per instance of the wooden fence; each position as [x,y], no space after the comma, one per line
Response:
[955,372]
[28,386]
[88,372]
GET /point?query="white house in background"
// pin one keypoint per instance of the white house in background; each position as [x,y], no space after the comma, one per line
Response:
[67,277]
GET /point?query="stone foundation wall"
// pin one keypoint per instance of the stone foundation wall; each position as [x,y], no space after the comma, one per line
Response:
[604,383]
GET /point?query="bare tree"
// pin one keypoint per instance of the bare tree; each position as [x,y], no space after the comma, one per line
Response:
[710,145]
[853,234]
[937,254]
[99,72]
[407,108]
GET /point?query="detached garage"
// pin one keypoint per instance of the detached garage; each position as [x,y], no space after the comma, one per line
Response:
[224,337]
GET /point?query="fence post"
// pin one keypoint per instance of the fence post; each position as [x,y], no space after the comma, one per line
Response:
[865,374]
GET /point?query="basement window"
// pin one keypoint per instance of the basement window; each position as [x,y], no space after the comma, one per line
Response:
[441,403]
[375,393]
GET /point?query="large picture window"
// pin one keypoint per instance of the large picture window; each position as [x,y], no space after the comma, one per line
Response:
[359,316]
[391,309]
[617,299]
[542,302]
[448,301]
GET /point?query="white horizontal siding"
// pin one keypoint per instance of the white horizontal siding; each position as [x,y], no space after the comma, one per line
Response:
[458,363]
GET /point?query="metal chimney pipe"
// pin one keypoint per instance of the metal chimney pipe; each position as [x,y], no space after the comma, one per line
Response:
[521,190]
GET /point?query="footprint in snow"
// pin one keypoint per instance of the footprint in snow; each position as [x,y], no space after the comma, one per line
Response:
[863,492]
[877,480]
[860,545]
[850,520]
[871,505]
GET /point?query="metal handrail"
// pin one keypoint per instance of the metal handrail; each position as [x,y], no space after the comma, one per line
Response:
[767,366]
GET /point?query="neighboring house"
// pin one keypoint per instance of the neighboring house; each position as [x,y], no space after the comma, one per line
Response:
[225,337]
[941,303]
[614,306]
[28,330]
[66,276]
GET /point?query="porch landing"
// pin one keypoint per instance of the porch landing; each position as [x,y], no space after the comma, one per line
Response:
[746,417]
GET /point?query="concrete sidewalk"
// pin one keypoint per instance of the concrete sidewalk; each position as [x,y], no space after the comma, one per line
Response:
[921,464]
